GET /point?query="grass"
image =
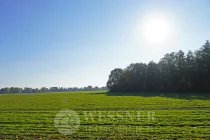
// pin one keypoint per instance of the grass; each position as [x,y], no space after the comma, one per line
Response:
[106,116]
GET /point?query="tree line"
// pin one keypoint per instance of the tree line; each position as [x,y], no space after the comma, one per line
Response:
[51,89]
[175,72]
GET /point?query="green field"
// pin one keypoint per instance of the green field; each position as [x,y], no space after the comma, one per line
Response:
[31,116]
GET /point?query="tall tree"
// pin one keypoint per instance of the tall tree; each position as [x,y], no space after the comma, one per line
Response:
[113,82]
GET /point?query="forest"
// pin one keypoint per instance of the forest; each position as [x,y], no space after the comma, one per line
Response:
[51,89]
[175,72]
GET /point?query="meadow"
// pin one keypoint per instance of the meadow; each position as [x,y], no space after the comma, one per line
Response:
[106,116]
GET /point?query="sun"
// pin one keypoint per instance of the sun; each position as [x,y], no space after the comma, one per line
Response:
[156,29]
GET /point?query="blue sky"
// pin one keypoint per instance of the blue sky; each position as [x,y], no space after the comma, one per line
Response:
[78,42]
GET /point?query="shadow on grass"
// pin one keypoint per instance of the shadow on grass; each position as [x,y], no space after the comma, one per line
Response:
[187,96]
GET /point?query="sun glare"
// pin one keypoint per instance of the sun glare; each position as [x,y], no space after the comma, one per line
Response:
[156,29]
